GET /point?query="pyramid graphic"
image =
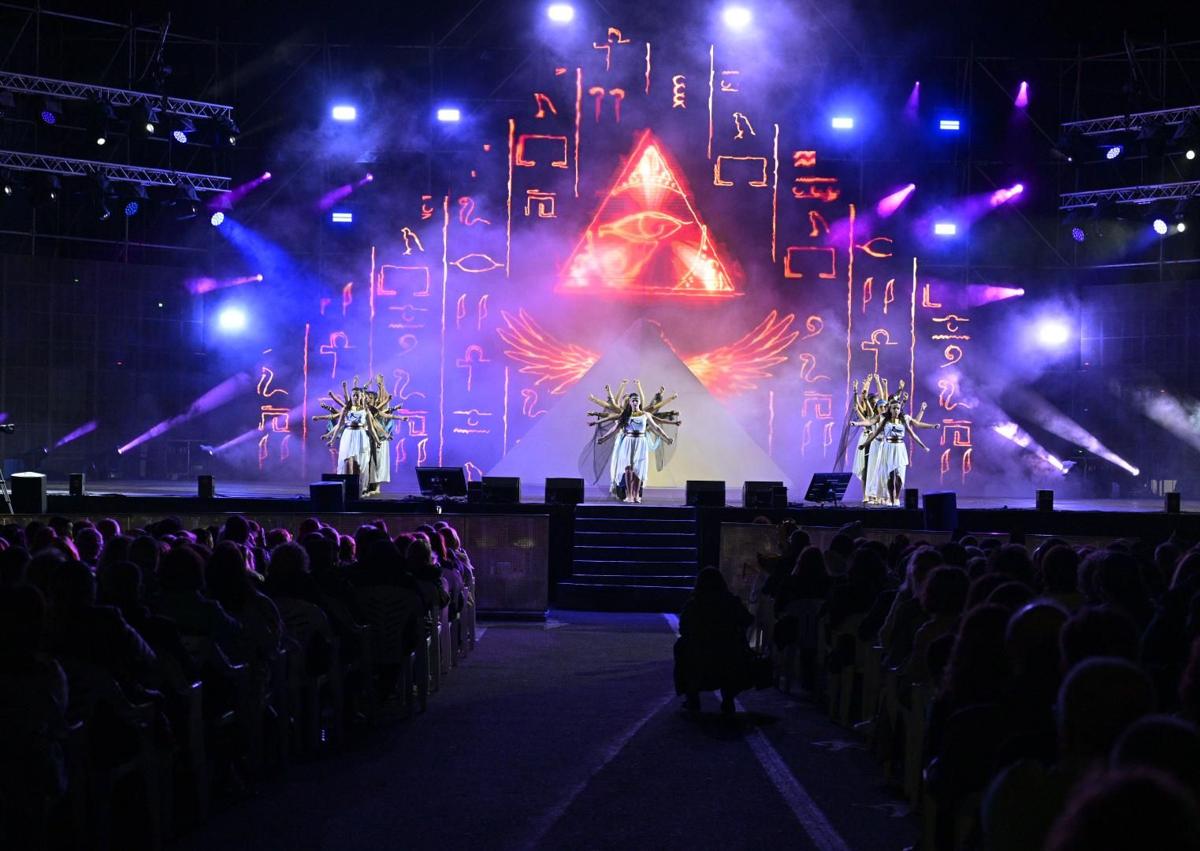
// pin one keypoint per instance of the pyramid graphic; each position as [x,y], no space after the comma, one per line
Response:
[711,444]
[647,239]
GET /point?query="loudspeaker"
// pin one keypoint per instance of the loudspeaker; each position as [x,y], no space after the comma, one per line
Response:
[941,511]
[29,493]
[912,499]
[205,487]
[1044,500]
[501,489]
[764,495]
[351,484]
[75,484]
[1172,502]
[564,491]
[705,492]
[327,496]
[475,492]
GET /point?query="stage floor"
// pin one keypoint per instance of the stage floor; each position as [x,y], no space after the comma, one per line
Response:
[536,493]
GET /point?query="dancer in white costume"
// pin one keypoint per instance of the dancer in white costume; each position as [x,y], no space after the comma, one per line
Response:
[355,437]
[892,454]
[638,431]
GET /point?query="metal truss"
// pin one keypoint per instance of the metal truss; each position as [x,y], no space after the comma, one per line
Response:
[67,167]
[1130,195]
[65,90]
[1133,121]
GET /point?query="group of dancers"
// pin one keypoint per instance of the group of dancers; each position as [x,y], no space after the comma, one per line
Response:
[360,423]
[636,429]
[881,459]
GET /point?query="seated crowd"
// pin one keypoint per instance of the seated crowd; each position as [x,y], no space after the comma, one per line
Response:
[1022,700]
[118,643]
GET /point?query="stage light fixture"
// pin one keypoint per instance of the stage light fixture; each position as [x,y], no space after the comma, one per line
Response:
[1180,227]
[1160,227]
[1052,332]
[1190,154]
[144,120]
[227,131]
[950,125]
[51,110]
[945,229]
[49,188]
[560,13]
[100,116]
[1114,151]
[185,200]
[1022,99]
[216,219]
[1078,234]
[842,122]
[181,128]
[232,319]
[344,112]
[8,104]
[737,18]
[341,217]
[449,114]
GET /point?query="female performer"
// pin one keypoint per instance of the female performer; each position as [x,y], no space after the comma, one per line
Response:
[638,431]
[353,430]
[892,453]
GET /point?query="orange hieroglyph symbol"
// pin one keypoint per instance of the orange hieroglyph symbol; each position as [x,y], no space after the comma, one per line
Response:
[647,237]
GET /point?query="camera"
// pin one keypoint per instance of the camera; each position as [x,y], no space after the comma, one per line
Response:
[7,428]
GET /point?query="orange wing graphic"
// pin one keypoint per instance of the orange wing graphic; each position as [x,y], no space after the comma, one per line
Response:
[733,368]
[545,356]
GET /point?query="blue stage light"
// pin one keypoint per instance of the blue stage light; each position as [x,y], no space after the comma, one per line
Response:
[131,209]
[842,122]
[1160,227]
[950,124]
[344,112]
[341,217]
[945,229]
[1114,151]
[216,219]
[1078,234]
[232,319]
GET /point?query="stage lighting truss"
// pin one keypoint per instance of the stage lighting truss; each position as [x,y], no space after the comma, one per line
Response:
[118,98]
[1134,122]
[68,167]
[1130,195]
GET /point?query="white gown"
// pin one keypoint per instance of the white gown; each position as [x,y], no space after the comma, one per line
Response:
[381,463]
[893,456]
[633,448]
[355,443]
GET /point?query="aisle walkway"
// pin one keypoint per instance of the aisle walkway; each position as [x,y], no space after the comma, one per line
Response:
[568,735]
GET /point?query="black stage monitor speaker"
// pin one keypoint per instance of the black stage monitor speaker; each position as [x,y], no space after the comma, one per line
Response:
[912,499]
[763,495]
[327,496]
[501,489]
[29,493]
[564,491]
[351,484]
[827,487]
[1172,502]
[941,511]
[442,481]
[1044,500]
[75,484]
[205,487]
[705,492]
[474,492]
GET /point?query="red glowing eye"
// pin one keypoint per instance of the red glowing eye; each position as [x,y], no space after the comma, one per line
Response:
[648,226]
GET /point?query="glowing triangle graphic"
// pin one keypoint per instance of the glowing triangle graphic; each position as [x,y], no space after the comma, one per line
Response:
[646,238]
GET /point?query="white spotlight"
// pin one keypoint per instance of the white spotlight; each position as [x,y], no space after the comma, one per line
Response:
[344,112]
[841,122]
[1052,332]
[449,114]
[737,18]
[560,13]
[231,320]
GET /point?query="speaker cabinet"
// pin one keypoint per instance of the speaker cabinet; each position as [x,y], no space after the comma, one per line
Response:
[351,484]
[205,487]
[75,484]
[705,493]
[1044,500]
[1172,502]
[29,493]
[912,499]
[501,490]
[327,496]
[764,495]
[475,492]
[564,491]
[941,511]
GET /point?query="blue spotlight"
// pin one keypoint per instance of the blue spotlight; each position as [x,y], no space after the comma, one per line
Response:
[1114,151]
[232,320]
[1078,234]
[344,112]
[842,122]
[449,114]
[217,218]
[131,209]
[945,229]
[1160,227]
[341,217]
[737,18]
[560,13]
[950,124]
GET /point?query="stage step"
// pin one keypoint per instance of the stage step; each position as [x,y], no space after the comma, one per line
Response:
[632,558]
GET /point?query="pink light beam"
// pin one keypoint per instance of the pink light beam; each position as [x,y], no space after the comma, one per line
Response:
[224,392]
[86,428]
[200,286]
[1003,196]
[342,192]
[891,203]
[1022,99]
[914,101]
[227,200]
